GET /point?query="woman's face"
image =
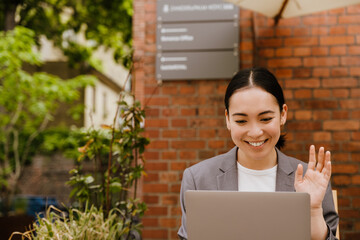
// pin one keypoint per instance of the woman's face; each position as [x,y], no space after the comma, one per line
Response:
[254,120]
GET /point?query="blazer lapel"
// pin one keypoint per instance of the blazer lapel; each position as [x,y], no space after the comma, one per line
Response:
[285,174]
[227,180]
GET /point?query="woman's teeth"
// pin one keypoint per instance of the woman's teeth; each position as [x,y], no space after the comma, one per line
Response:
[256,144]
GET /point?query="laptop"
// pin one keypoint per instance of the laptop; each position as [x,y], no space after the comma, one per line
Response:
[230,215]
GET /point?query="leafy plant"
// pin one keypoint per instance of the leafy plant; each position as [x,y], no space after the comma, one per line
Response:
[102,23]
[91,224]
[27,104]
[116,154]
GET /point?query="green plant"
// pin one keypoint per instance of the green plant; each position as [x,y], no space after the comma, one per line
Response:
[90,224]
[115,154]
[27,105]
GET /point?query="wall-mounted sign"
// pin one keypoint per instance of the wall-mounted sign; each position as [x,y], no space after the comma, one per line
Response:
[196,39]
[196,65]
[199,10]
[200,36]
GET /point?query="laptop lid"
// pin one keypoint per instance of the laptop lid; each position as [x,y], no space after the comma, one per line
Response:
[234,215]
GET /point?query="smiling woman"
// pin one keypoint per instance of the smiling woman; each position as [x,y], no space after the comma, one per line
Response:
[255,113]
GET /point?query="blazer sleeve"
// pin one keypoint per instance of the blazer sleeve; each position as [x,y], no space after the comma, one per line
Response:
[330,215]
[187,183]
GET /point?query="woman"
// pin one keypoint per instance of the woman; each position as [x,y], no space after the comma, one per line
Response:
[255,112]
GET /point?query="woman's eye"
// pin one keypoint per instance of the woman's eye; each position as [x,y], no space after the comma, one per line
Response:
[240,121]
[266,119]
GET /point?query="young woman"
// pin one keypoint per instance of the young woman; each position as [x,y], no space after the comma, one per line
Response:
[255,112]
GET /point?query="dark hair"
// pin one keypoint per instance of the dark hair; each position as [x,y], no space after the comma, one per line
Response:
[257,77]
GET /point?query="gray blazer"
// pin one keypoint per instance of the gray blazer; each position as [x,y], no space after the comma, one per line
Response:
[220,173]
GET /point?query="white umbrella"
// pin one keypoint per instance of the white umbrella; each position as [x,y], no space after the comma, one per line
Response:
[291,8]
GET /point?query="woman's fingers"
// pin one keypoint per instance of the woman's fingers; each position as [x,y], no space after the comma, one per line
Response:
[299,174]
[327,167]
[321,159]
[312,158]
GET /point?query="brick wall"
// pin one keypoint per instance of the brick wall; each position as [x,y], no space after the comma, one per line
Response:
[317,61]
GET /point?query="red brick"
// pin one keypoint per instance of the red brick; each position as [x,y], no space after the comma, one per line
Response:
[169,155]
[216,144]
[322,136]
[355,180]
[189,112]
[168,222]
[150,222]
[284,73]
[321,72]
[341,136]
[319,31]
[169,113]
[158,144]
[341,180]
[156,166]
[349,19]
[156,123]
[340,114]
[319,20]
[191,144]
[319,51]
[355,71]
[151,155]
[304,93]
[322,93]
[303,115]
[301,31]
[337,30]
[337,40]
[320,104]
[354,50]
[154,233]
[321,61]
[179,123]
[308,126]
[301,41]
[348,61]
[270,42]
[341,93]
[169,199]
[340,82]
[283,52]
[302,51]
[187,90]
[339,72]
[338,50]
[169,177]
[350,104]
[187,155]
[353,29]
[151,199]
[170,133]
[169,89]
[187,133]
[282,32]
[303,83]
[178,166]
[351,146]
[344,168]
[341,125]
[155,188]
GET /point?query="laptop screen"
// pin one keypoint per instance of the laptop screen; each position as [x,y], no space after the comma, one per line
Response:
[247,215]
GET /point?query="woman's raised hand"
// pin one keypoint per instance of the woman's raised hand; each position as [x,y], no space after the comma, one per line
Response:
[316,178]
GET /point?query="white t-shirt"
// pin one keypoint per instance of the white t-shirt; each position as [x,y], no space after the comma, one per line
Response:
[250,180]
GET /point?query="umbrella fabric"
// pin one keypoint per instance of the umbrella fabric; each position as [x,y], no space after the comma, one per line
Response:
[291,8]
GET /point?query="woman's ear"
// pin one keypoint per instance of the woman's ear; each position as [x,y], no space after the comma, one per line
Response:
[283,114]
[227,119]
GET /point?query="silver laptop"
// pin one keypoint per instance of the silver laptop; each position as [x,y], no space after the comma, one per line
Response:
[226,215]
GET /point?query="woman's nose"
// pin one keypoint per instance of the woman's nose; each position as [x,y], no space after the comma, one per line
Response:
[255,131]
